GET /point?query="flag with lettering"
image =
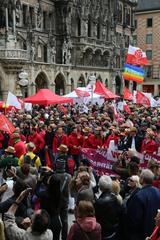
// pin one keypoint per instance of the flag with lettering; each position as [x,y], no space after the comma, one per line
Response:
[136,56]
[6,125]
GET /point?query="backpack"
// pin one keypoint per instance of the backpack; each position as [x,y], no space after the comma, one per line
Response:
[29,160]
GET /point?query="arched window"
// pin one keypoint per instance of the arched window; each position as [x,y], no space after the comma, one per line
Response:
[78,26]
[128,16]
[81,81]
[98,30]
[60,84]
[120,13]
[106,82]
[89,27]
[41,81]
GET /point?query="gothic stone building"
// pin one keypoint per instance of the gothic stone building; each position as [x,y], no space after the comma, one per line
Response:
[61,43]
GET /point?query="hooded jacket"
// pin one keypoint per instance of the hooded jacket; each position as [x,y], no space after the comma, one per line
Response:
[85,228]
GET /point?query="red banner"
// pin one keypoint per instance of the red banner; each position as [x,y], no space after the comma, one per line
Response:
[102,159]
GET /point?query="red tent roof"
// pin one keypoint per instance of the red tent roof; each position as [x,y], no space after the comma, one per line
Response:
[46,97]
[127,95]
[105,92]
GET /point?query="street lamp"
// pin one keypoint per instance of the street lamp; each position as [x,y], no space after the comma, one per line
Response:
[92,81]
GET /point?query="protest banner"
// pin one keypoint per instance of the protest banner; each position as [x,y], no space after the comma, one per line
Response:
[103,159]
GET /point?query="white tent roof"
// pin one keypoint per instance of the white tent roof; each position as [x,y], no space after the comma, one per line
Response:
[74,95]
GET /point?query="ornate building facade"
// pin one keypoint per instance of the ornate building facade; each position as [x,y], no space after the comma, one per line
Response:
[59,44]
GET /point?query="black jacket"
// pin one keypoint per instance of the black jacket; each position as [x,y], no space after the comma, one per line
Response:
[108,213]
[138,142]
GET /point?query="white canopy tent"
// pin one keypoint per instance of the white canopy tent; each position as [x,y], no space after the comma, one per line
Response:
[85,100]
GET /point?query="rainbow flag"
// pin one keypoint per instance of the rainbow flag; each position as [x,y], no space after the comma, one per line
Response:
[133,73]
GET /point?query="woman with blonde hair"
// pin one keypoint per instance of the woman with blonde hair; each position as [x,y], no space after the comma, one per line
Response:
[85,227]
[116,190]
[134,185]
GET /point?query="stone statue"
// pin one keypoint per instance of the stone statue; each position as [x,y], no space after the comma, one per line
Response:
[39,15]
[53,54]
[32,52]
[66,52]
[68,60]
[85,28]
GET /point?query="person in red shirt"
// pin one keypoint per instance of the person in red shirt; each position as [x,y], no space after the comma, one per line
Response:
[75,142]
[148,144]
[59,138]
[38,141]
[19,145]
[114,136]
[87,138]
[96,139]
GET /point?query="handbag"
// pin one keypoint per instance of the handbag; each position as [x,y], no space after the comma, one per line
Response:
[83,232]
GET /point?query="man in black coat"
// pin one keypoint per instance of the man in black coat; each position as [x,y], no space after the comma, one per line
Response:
[142,208]
[108,210]
[134,140]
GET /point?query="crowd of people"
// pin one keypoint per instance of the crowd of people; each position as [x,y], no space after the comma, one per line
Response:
[44,176]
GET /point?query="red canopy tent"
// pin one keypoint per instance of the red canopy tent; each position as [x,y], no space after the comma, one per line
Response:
[103,91]
[127,95]
[47,97]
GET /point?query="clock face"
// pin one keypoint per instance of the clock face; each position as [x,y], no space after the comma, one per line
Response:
[23,75]
[23,82]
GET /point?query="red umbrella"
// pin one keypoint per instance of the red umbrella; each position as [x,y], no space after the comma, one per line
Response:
[47,97]
[127,95]
[81,93]
[105,92]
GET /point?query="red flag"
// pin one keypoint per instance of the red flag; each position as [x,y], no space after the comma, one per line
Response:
[20,100]
[142,99]
[127,95]
[105,92]
[81,93]
[126,108]
[136,56]
[6,125]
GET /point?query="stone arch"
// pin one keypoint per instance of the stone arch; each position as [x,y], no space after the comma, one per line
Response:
[88,57]
[81,81]
[105,58]
[118,83]
[60,83]
[99,78]
[106,82]
[98,57]
[41,81]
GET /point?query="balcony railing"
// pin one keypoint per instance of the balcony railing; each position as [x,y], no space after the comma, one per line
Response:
[14,54]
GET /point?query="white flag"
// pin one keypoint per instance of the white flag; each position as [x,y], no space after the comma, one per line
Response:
[13,101]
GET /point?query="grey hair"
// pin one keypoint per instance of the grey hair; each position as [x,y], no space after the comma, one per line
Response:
[147,176]
[105,183]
